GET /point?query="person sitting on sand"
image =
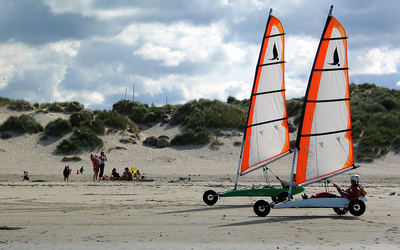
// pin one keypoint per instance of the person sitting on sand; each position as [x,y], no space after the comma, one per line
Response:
[26,176]
[127,175]
[138,175]
[353,192]
[114,174]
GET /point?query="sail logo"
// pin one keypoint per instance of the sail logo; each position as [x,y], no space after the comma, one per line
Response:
[335,58]
[275,55]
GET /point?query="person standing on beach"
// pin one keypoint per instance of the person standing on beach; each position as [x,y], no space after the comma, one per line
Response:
[96,165]
[103,159]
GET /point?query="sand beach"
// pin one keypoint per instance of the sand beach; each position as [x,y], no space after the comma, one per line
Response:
[168,213]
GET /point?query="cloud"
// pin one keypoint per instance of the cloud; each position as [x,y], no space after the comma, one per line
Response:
[300,54]
[90,8]
[382,60]
[174,43]
[34,72]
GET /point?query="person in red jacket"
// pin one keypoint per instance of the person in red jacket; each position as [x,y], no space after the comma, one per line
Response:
[354,191]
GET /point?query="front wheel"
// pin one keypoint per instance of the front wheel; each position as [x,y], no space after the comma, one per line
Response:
[261,208]
[210,197]
[340,210]
[357,207]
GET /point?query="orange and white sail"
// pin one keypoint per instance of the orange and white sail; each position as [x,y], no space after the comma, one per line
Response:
[267,135]
[324,142]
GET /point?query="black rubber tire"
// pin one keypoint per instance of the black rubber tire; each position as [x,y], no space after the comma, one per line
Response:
[357,207]
[283,196]
[210,197]
[261,208]
[275,199]
[340,210]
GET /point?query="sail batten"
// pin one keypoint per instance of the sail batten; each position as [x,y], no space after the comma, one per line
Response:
[324,140]
[331,69]
[334,38]
[282,34]
[327,133]
[276,120]
[267,64]
[270,92]
[267,132]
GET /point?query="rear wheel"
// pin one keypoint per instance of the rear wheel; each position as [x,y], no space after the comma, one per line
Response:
[340,210]
[275,199]
[261,208]
[357,207]
[210,197]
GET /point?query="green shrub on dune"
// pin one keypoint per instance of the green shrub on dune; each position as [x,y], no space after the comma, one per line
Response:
[58,127]
[21,124]
[143,113]
[190,136]
[83,138]
[210,114]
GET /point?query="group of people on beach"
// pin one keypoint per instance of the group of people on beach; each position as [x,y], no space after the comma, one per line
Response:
[98,170]
[127,175]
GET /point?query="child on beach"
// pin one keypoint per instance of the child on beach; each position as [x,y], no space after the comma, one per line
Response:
[138,175]
[26,176]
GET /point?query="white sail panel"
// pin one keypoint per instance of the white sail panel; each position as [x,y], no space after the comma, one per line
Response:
[271,135]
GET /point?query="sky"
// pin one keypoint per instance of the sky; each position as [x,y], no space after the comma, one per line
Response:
[98,52]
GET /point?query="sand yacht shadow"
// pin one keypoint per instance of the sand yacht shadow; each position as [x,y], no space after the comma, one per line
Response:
[208,208]
[280,219]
